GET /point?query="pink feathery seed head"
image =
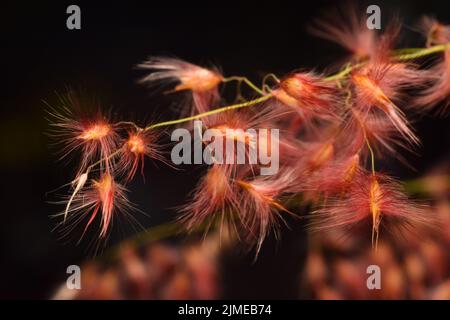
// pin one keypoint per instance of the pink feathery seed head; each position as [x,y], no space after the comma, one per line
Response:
[380,80]
[190,76]
[308,94]
[436,32]
[259,207]
[241,126]
[311,158]
[136,147]
[383,78]
[202,82]
[307,86]
[320,155]
[347,28]
[336,178]
[375,128]
[315,155]
[95,136]
[215,195]
[98,139]
[106,189]
[376,200]
[378,85]
[233,126]
[104,198]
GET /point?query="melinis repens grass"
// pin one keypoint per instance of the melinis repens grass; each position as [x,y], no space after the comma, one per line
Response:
[334,133]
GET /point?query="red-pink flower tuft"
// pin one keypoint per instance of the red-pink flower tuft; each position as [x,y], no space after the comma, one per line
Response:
[378,85]
[136,147]
[308,95]
[103,197]
[375,200]
[259,204]
[348,30]
[96,137]
[203,83]
[215,196]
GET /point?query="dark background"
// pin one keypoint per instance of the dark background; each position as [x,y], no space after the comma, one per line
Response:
[40,56]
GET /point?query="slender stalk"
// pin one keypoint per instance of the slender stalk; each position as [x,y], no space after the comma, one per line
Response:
[246,81]
[341,74]
[423,52]
[372,155]
[128,123]
[112,155]
[267,77]
[209,113]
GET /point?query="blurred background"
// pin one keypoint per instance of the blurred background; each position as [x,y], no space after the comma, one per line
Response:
[41,58]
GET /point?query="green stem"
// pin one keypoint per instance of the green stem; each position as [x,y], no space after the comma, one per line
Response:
[128,123]
[209,113]
[267,77]
[341,74]
[248,82]
[422,52]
